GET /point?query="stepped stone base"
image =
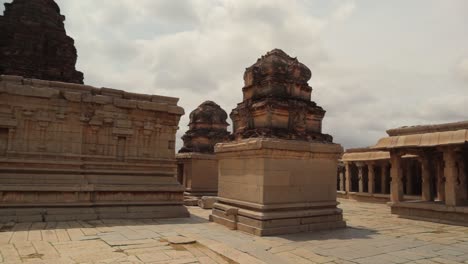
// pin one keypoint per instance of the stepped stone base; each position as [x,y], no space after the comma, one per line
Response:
[272,187]
[432,212]
[62,213]
[277,222]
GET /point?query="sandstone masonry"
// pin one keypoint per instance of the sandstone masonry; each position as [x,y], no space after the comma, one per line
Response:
[70,151]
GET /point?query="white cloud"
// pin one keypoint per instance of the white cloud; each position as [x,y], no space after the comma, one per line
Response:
[344,11]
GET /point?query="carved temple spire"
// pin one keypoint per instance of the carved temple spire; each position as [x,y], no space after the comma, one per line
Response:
[277,101]
[207,127]
[34,43]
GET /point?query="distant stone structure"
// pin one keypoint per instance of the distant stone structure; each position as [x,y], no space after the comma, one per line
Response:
[425,166]
[34,44]
[197,164]
[76,152]
[279,175]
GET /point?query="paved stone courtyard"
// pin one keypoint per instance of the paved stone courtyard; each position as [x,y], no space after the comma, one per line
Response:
[374,236]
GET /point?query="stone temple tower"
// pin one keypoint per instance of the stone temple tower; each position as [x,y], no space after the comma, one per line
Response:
[34,43]
[279,174]
[277,101]
[197,164]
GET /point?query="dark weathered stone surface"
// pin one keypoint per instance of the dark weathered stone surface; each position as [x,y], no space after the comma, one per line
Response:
[34,43]
[277,101]
[208,126]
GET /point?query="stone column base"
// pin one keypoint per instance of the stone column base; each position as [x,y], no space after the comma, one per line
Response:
[277,222]
[86,213]
[273,187]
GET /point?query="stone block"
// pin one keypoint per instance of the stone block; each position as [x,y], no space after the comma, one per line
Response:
[207,202]
[112,92]
[72,96]
[102,99]
[162,107]
[294,186]
[124,103]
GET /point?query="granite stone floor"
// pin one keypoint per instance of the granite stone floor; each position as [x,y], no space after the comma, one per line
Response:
[373,236]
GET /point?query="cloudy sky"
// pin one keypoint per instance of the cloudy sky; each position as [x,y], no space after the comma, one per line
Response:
[376,64]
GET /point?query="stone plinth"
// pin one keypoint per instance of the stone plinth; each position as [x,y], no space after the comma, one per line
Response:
[198,173]
[274,186]
[70,151]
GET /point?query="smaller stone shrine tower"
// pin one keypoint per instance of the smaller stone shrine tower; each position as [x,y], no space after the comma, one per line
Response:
[197,165]
[279,175]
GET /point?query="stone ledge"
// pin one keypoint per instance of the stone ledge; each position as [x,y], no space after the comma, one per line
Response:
[431,212]
[89,212]
[17,85]
[225,202]
[163,187]
[432,206]
[194,155]
[278,144]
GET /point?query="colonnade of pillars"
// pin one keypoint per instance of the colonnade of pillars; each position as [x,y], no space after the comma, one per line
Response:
[444,176]
[438,174]
[364,177]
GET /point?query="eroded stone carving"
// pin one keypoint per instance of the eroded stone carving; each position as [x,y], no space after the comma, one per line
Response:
[277,101]
[34,43]
[208,126]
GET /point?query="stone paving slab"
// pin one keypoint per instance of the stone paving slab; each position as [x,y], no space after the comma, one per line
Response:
[373,236]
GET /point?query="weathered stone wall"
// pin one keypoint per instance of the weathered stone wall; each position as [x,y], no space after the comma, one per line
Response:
[66,144]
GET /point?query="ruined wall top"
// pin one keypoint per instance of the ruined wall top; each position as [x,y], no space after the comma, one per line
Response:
[17,85]
[34,43]
[207,127]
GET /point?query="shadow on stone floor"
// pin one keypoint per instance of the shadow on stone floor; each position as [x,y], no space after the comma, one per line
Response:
[337,234]
[32,226]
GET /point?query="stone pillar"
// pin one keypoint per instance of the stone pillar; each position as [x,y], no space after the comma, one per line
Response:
[409,177]
[440,181]
[360,166]
[371,178]
[426,179]
[396,174]
[463,178]
[348,177]
[383,176]
[342,178]
[451,178]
